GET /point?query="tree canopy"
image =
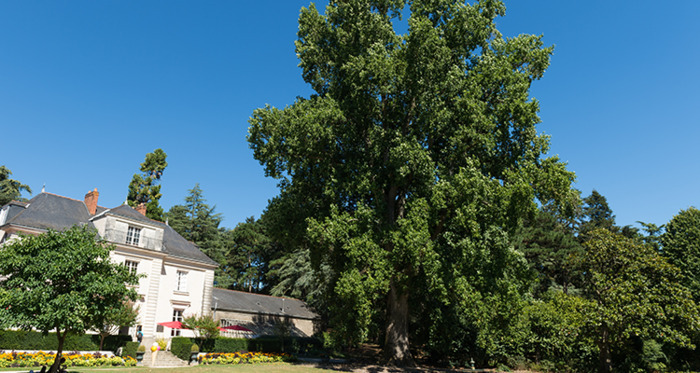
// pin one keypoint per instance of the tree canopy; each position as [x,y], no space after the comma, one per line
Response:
[681,245]
[144,188]
[63,281]
[635,292]
[412,161]
[10,189]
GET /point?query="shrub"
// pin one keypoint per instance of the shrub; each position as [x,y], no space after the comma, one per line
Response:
[194,348]
[130,349]
[230,345]
[181,347]
[31,340]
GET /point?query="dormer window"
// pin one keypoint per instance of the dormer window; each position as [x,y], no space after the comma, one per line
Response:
[132,236]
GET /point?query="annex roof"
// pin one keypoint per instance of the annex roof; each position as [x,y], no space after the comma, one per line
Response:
[240,301]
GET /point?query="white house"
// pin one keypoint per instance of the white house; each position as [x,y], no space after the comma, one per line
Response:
[178,277]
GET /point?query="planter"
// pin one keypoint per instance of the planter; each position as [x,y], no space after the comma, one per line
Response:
[139,356]
[193,357]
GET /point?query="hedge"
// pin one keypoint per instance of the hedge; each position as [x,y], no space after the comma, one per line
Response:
[180,347]
[231,345]
[32,340]
[130,349]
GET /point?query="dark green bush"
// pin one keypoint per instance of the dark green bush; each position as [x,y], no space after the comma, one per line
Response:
[206,344]
[31,340]
[230,345]
[130,349]
[112,342]
[180,347]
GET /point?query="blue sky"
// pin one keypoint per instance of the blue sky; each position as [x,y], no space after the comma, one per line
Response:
[87,88]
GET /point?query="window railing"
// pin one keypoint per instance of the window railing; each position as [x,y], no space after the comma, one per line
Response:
[120,237]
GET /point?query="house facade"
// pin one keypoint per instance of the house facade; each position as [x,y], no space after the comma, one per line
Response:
[177,277]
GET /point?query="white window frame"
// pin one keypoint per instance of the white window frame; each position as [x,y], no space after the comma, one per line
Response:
[178,315]
[181,281]
[133,235]
[132,265]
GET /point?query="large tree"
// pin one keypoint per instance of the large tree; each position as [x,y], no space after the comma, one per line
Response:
[62,281]
[10,189]
[198,222]
[681,245]
[414,158]
[144,187]
[634,293]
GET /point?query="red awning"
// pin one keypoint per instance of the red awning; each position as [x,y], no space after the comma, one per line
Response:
[172,324]
[235,327]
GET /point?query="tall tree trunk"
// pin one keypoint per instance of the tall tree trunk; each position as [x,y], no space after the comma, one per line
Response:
[605,359]
[396,346]
[59,352]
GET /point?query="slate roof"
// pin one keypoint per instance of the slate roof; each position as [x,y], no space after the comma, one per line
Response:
[240,301]
[50,211]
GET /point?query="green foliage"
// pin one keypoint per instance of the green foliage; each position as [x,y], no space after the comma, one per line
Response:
[181,347]
[10,189]
[203,326]
[130,349]
[547,244]
[634,293]
[194,348]
[248,250]
[124,316]
[63,281]
[681,245]
[231,345]
[596,214]
[196,221]
[412,162]
[31,340]
[144,188]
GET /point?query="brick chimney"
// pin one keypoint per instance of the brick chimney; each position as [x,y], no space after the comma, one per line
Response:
[141,208]
[91,201]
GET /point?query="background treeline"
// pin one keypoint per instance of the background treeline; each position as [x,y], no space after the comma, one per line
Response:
[589,295]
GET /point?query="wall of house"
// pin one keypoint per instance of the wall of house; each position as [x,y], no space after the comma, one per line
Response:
[190,300]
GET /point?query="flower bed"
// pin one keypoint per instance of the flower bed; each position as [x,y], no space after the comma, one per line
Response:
[73,359]
[244,358]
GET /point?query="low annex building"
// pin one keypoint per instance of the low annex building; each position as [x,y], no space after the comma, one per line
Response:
[263,314]
[178,277]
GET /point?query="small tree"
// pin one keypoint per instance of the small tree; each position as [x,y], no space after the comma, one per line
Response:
[144,188]
[62,281]
[203,326]
[124,316]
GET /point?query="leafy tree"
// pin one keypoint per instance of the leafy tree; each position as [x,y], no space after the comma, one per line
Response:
[144,188]
[548,243]
[62,281]
[196,220]
[10,189]
[124,316]
[596,214]
[203,326]
[634,293]
[248,255]
[681,245]
[413,160]
[652,235]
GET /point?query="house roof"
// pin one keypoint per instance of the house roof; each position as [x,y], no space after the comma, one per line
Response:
[49,211]
[240,301]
